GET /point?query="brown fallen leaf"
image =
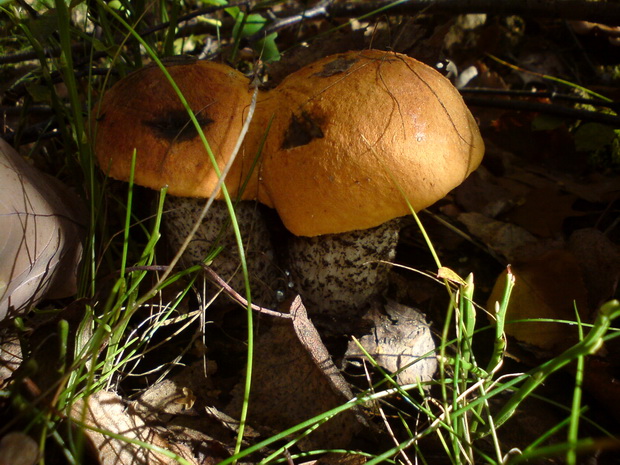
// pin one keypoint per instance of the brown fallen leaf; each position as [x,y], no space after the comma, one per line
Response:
[180,409]
[506,239]
[599,259]
[294,379]
[42,226]
[550,287]
[400,342]
[17,448]
[543,211]
[106,412]
[10,356]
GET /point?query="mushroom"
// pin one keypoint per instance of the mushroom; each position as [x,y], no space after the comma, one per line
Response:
[143,113]
[358,139]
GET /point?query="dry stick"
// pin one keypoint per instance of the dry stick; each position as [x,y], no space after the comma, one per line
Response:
[545,108]
[606,13]
[238,297]
[216,279]
[600,12]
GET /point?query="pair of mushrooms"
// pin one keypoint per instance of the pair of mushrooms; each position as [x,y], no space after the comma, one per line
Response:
[355,141]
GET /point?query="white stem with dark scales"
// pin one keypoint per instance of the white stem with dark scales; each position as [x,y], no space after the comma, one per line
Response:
[216,231]
[338,275]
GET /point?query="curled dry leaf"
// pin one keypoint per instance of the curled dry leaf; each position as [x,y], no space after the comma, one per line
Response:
[41,226]
[107,412]
[400,342]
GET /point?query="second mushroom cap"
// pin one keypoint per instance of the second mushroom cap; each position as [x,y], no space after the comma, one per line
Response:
[358,135]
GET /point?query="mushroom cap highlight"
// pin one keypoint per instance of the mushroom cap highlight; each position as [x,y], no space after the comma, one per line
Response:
[142,112]
[358,135]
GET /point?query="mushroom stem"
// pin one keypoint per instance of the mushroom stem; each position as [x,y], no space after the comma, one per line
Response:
[215,232]
[340,274]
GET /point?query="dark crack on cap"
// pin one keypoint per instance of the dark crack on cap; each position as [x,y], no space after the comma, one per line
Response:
[339,65]
[301,131]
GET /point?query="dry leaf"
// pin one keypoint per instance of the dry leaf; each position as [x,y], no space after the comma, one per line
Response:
[504,238]
[106,411]
[400,341]
[294,379]
[41,231]
[549,287]
[543,212]
[18,449]
[599,259]
[10,356]
[165,406]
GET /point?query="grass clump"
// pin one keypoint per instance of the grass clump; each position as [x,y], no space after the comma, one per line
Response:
[127,299]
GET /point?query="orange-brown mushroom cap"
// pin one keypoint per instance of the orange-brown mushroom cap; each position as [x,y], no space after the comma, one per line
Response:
[358,135]
[142,112]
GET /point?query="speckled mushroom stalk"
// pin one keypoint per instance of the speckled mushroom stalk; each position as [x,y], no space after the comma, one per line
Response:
[341,274]
[215,232]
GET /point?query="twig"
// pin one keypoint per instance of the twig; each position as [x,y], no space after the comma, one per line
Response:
[216,279]
[238,297]
[551,95]
[599,12]
[546,108]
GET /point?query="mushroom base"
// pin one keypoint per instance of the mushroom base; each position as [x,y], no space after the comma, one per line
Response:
[214,232]
[338,275]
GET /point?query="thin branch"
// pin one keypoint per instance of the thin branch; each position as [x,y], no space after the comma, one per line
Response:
[599,12]
[213,276]
[547,109]
[551,95]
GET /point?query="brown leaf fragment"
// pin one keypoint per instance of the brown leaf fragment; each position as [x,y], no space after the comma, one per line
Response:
[340,459]
[482,193]
[400,342]
[106,411]
[10,356]
[17,448]
[543,212]
[42,226]
[505,239]
[166,407]
[599,259]
[163,400]
[294,379]
[549,287]
[603,383]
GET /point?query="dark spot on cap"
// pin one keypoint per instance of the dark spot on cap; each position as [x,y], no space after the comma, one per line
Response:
[301,131]
[337,66]
[176,126]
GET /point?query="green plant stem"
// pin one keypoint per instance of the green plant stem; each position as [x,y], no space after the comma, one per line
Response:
[589,345]
[499,345]
[233,218]
[576,409]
